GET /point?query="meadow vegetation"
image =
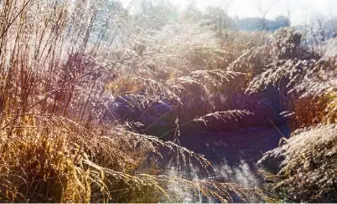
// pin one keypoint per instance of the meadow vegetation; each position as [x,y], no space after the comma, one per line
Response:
[94,97]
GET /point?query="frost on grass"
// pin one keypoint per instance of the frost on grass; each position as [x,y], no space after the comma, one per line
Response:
[307,170]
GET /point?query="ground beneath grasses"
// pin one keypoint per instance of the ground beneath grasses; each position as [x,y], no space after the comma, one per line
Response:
[234,154]
[246,144]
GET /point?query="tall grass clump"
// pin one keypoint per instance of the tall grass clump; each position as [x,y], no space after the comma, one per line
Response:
[301,79]
[182,68]
[303,168]
[307,170]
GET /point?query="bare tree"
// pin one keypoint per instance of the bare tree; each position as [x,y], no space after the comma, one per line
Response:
[264,9]
[218,16]
[288,11]
[225,6]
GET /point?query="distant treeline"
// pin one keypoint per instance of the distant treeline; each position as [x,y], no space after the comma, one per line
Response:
[258,24]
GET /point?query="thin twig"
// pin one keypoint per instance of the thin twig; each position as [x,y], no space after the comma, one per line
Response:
[17,15]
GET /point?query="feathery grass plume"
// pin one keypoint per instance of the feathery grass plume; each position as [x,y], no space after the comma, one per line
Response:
[140,94]
[308,165]
[149,88]
[223,115]
[130,142]
[252,60]
[321,83]
[215,77]
[281,74]
[286,77]
[284,44]
[288,63]
[175,49]
[298,75]
[304,83]
[204,84]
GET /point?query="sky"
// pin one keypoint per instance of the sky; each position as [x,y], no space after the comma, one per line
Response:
[299,11]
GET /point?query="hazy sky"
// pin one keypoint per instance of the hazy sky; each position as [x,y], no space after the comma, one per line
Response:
[301,11]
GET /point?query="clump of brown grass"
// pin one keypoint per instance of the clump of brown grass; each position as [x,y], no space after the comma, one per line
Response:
[200,92]
[301,116]
[305,78]
[320,83]
[57,160]
[202,89]
[301,76]
[308,170]
[40,164]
